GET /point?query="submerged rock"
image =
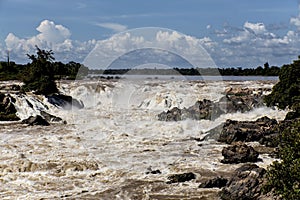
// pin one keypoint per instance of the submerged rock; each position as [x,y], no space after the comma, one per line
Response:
[246,183]
[35,120]
[239,153]
[178,178]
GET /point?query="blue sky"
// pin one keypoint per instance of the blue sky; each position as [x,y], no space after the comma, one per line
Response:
[234,32]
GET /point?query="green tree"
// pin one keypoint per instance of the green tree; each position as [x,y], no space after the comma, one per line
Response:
[286,92]
[39,74]
[284,176]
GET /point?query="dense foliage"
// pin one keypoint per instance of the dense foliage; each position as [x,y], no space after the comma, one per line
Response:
[10,71]
[286,92]
[284,176]
[40,74]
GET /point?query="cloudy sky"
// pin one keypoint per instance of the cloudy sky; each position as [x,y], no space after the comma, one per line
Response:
[233,32]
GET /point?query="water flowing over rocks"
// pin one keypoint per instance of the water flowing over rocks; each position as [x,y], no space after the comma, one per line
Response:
[241,100]
[102,153]
[30,108]
[59,168]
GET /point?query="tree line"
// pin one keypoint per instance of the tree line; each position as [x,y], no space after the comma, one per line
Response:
[259,71]
[40,74]
[42,63]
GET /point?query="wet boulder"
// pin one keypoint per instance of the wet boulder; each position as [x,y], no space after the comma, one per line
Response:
[36,120]
[7,108]
[178,178]
[65,101]
[246,131]
[232,103]
[245,183]
[204,109]
[51,118]
[239,153]
[171,115]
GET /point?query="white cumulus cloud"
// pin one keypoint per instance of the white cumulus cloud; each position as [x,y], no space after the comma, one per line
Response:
[51,36]
[256,28]
[51,32]
[187,47]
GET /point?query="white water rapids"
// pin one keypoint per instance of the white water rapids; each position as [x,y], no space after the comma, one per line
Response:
[106,148]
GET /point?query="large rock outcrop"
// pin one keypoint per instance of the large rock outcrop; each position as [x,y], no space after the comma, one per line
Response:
[233,101]
[246,131]
[64,101]
[245,184]
[7,109]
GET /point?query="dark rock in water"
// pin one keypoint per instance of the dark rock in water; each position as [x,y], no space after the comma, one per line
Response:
[239,131]
[241,101]
[218,182]
[246,183]
[213,134]
[200,110]
[239,153]
[178,178]
[35,120]
[171,115]
[154,172]
[50,118]
[205,109]
[64,101]
[246,131]
[15,87]
[7,109]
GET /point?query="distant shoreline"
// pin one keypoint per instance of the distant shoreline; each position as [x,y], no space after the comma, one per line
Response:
[183,77]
